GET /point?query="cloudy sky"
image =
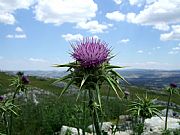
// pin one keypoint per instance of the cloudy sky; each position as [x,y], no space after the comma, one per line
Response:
[35,34]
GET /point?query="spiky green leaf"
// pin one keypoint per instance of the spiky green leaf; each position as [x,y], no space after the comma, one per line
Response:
[99,97]
[67,86]
[69,76]
[118,75]
[111,84]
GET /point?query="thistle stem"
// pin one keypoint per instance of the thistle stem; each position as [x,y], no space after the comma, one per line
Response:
[94,113]
[11,115]
[84,113]
[167,109]
[6,124]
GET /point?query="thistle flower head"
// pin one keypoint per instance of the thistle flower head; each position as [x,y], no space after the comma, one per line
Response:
[173,85]
[25,80]
[90,52]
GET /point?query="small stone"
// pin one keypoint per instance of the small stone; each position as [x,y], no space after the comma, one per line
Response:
[72,130]
[106,127]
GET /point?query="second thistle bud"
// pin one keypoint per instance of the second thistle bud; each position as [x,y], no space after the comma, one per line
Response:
[173,85]
[1,98]
[25,80]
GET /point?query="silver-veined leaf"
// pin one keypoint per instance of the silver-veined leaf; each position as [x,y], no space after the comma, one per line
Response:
[84,80]
[82,83]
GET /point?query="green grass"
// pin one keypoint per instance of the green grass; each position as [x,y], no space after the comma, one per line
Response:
[46,84]
[140,91]
[5,82]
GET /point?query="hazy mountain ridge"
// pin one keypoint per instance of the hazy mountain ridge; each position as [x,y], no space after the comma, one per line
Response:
[155,79]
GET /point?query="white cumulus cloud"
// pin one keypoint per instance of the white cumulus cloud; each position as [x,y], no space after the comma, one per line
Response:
[136,2]
[6,18]
[161,26]
[71,37]
[173,52]
[8,7]
[60,11]
[156,48]
[125,40]
[116,16]
[93,26]
[176,48]
[20,36]
[158,14]
[162,15]
[9,36]
[95,36]
[75,37]
[19,29]
[140,51]
[36,60]
[130,17]
[172,35]
[118,1]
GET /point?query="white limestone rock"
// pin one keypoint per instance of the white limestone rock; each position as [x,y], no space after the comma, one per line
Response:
[171,113]
[155,125]
[73,130]
[127,132]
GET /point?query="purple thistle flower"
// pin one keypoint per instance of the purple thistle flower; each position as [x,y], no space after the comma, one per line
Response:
[25,80]
[90,52]
[173,85]
[1,98]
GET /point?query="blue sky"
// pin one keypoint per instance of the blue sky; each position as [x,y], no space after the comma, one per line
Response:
[35,34]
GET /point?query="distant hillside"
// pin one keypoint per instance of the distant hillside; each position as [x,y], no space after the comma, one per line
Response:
[153,79]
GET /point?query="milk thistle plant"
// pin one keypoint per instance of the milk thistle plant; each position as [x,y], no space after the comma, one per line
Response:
[89,70]
[20,83]
[172,89]
[143,108]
